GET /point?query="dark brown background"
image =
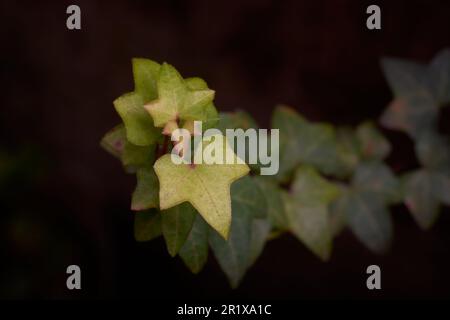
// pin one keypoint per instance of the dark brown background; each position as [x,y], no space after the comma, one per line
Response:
[68,200]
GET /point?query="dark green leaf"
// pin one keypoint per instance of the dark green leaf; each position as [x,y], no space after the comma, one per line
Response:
[433,151]
[310,225]
[194,252]
[302,142]
[439,77]
[310,188]
[404,77]
[275,207]
[369,220]
[242,248]
[372,143]
[377,177]
[414,115]
[421,197]
[176,225]
[145,195]
[132,156]
[147,225]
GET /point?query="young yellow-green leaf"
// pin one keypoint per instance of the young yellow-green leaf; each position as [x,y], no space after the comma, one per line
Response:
[421,196]
[194,252]
[175,99]
[147,225]
[205,186]
[246,238]
[138,123]
[372,143]
[369,219]
[145,195]
[132,156]
[210,115]
[176,225]
[302,142]
[307,209]
[276,213]
[377,177]
[145,73]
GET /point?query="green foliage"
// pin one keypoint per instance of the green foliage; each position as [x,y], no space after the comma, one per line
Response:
[330,178]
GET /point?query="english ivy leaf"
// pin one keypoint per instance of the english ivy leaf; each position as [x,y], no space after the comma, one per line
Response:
[276,213]
[240,120]
[248,198]
[259,234]
[348,151]
[310,189]
[242,247]
[194,252]
[176,100]
[176,225]
[236,120]
[414,115]
[405,77]
[418,91]
[422,189]
[433,151]
[439,77]
[145,73]
[138,123]
[337,212]
[369,219]
[373,144]
[114,141]
[145,195]
[131,156]
[210,115]
[442,187]
[147,225]
[205,186]
[377,177]
[302,142]
[233,254]
[307,209]
[310,224]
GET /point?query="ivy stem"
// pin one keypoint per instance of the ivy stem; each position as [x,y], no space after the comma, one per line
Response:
[163,148]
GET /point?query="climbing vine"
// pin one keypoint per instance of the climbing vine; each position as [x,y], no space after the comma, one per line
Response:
[330,178]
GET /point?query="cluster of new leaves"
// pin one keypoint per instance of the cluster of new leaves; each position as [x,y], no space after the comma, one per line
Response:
[330,178]
[191,206]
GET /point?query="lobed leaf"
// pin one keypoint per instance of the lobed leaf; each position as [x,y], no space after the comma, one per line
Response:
[302,142]
[176,225]
[194,252]
[246,238]
[147,225]
[138,123]
[145,195]
[205,186]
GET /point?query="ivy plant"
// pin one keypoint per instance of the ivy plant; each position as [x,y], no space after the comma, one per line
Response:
[330,178]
